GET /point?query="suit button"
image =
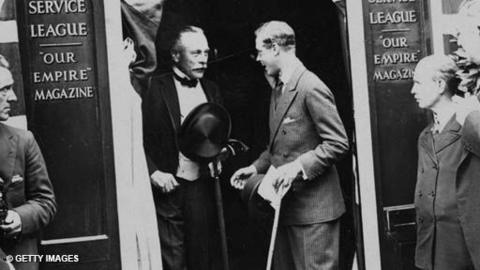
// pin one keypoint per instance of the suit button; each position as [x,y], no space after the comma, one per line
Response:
[284,132]
[285,155]
[420,194]
[432,194]
[420,220]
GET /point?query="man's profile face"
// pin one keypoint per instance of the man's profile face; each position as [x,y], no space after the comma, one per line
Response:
[267,57]
[6,93]
[426,90]
[192,57]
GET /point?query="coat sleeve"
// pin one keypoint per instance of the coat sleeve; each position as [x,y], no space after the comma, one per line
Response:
[40,206]
[151,130]
[218,98]
[471,133]
[263,162]
[321,107]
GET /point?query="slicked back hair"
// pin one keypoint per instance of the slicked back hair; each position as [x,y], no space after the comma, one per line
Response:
[276,32]
[444,68]
[177,41]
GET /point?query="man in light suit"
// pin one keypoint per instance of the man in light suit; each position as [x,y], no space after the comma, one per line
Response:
[307,138]
[27,188]
[182,188]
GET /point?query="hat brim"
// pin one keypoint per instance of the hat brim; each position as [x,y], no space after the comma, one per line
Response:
[204,132]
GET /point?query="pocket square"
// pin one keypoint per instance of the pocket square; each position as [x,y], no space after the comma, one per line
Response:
[289,120]
[16,178]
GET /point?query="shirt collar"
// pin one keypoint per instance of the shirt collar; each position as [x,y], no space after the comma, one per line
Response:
[287,72]
[441,118]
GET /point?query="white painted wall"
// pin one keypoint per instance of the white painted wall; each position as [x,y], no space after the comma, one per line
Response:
[368,201]
[139,242]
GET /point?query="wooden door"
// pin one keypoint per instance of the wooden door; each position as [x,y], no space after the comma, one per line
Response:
[67,99]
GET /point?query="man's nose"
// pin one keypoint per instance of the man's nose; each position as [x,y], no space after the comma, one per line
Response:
[412,91]
[11,95]
[203,58]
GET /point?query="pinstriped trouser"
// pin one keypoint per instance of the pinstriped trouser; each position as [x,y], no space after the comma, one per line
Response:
[307,247]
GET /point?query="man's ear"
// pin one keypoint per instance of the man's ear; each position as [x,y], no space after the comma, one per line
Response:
[442,86]
[175,56]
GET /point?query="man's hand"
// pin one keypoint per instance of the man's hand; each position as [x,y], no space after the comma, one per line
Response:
[465,106]
[287,173]
[166,182]
[13,224]
[239,178]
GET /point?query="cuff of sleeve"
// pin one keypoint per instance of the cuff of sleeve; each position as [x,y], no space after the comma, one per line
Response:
[254,168]
[308,165]
[259,167]
[26,218]
[298,165]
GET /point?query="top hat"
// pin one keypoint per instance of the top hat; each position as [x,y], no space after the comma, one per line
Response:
[204,132]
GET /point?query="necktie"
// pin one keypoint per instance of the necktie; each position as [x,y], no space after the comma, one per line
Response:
[185,82]
[277,92]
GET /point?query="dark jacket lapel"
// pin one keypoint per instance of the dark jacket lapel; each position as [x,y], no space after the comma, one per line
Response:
[449,135]
[208,90]
[8,142]
[170,96]
[286,100]
[426,142]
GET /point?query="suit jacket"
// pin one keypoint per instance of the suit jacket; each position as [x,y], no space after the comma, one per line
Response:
[306,126]
[161,121]
[461,148]
[29,190]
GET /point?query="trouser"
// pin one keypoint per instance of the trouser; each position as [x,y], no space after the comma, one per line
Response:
[307,247]
[187,224]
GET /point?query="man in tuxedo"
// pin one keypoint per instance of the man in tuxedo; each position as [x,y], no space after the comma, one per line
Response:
[182,188]
[27,189]
[307,138]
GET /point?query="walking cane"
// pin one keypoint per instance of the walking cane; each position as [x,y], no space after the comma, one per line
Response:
[273,237]
[202,137]
[233,147]
[276,204]
[220,217]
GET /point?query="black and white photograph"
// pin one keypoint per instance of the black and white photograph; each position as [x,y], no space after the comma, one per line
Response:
[240,134]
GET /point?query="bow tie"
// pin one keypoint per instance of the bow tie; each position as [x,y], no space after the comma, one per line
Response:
[186,82]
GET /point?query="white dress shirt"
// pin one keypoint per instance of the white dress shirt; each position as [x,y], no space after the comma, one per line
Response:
[188,99]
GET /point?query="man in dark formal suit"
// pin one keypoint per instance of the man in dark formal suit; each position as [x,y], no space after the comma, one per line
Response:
[447,191]
[26,185]
[307,138]
[182,188]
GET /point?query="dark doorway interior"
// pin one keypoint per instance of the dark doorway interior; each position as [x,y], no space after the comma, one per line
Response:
[230,26]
